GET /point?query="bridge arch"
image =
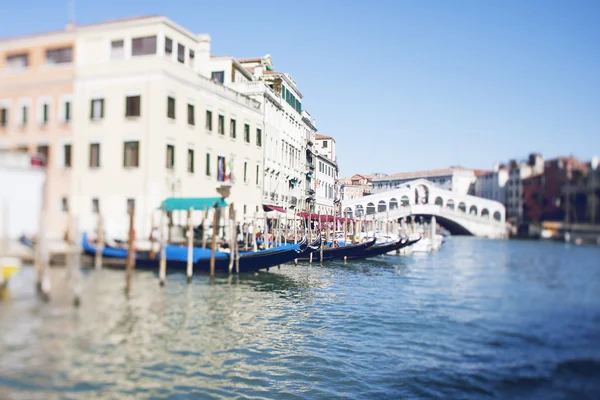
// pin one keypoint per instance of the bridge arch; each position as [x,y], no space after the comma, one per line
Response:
[462,207]
[450,204]
[422,194]
[381,206]
[473,210]
[485,213]
[497,216]
[393,203]
[360,210]
[404,201]
[370,208]
[439,201]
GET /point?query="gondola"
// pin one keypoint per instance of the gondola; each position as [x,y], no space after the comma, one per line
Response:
[338,253]
[380,249]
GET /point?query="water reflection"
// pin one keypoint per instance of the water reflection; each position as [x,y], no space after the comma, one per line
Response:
[488,318]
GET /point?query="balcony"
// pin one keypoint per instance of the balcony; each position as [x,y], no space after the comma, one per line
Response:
[293,201]
[310,192]
[310,165]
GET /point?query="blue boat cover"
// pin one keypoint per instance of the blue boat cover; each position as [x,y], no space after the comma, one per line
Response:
[198,203]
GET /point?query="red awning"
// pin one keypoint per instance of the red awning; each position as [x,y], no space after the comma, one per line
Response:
[274,208]
[323,218]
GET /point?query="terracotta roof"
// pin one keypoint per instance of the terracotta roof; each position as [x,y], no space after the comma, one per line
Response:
[421,174]
[119,20]
[253,59]
[323,137]
[480,172]
[267,72]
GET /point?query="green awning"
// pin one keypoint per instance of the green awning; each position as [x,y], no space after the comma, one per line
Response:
[198,203]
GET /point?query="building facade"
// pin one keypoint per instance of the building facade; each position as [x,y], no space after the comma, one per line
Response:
[327,186]
[356,186]
[456,179]
[150,113]
[289,133]
[36,111]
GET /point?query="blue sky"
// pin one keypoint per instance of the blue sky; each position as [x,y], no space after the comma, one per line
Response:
[404,85]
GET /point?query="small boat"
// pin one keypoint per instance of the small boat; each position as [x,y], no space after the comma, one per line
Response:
[177,257]
[337,253]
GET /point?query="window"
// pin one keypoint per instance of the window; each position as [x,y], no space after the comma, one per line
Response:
[209,120]
[44,151]
[117,51]
[168,46]
[258,137]
[17,61]
[192,58]
[245,209]
[97,109]
[324,143]
[218,76]
[232,128]
[221,125]
[191,115]
[170,156]
[245,171]
[133,106]
[3,117]
[207,164]
[221,169]
[131,154]
[180,53]
[247,133]
[67,156]
[45,113]
[24,115]
[171,107]
[95,155]
[257,173]
[143,46]
[130,206]
[95,205]
[191,161]
[59,56]
[64,204]
[67,111]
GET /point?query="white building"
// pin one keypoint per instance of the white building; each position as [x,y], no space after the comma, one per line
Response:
[456,179]
[289,130]
[327,190]
[492,185]
[151,123]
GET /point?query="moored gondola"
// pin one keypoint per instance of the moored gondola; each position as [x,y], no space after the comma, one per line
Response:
[380,249]
[338,253]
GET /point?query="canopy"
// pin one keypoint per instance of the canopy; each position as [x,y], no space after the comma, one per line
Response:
[198,203]
[274,208]
[323,218]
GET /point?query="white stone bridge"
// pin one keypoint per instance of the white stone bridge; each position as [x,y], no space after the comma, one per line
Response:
[460,214]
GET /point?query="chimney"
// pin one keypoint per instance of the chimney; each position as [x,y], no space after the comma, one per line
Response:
[202,56]
[595,163]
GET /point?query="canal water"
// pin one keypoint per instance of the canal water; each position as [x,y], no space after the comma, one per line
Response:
[478,319]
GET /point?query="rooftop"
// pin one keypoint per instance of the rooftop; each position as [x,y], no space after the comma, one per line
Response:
[323,137]
[421,174]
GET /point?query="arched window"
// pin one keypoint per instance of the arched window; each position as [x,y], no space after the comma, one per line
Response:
[462,207]
[497,216]
[381,206]
[485,213]
[360,211]
[404,201]
[450,204]
[348,212]
[439,201]
[393,203]
[370,208]
[473,210]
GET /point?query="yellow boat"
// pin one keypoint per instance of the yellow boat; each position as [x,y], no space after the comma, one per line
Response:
[8,267]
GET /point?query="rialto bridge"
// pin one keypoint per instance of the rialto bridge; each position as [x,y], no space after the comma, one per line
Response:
[460,214]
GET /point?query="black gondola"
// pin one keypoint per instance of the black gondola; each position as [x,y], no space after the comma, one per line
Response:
[383,248]
[337,253]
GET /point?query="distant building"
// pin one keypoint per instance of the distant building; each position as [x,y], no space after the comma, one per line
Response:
[456,179]
[492,184]
[356,186]
[326,173]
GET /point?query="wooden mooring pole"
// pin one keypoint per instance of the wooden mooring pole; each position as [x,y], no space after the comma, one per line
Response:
[162,266]
[213,246]
[130,253]
[99,242]
[190,253]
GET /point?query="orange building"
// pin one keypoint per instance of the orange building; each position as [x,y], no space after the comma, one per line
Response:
[36,110]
